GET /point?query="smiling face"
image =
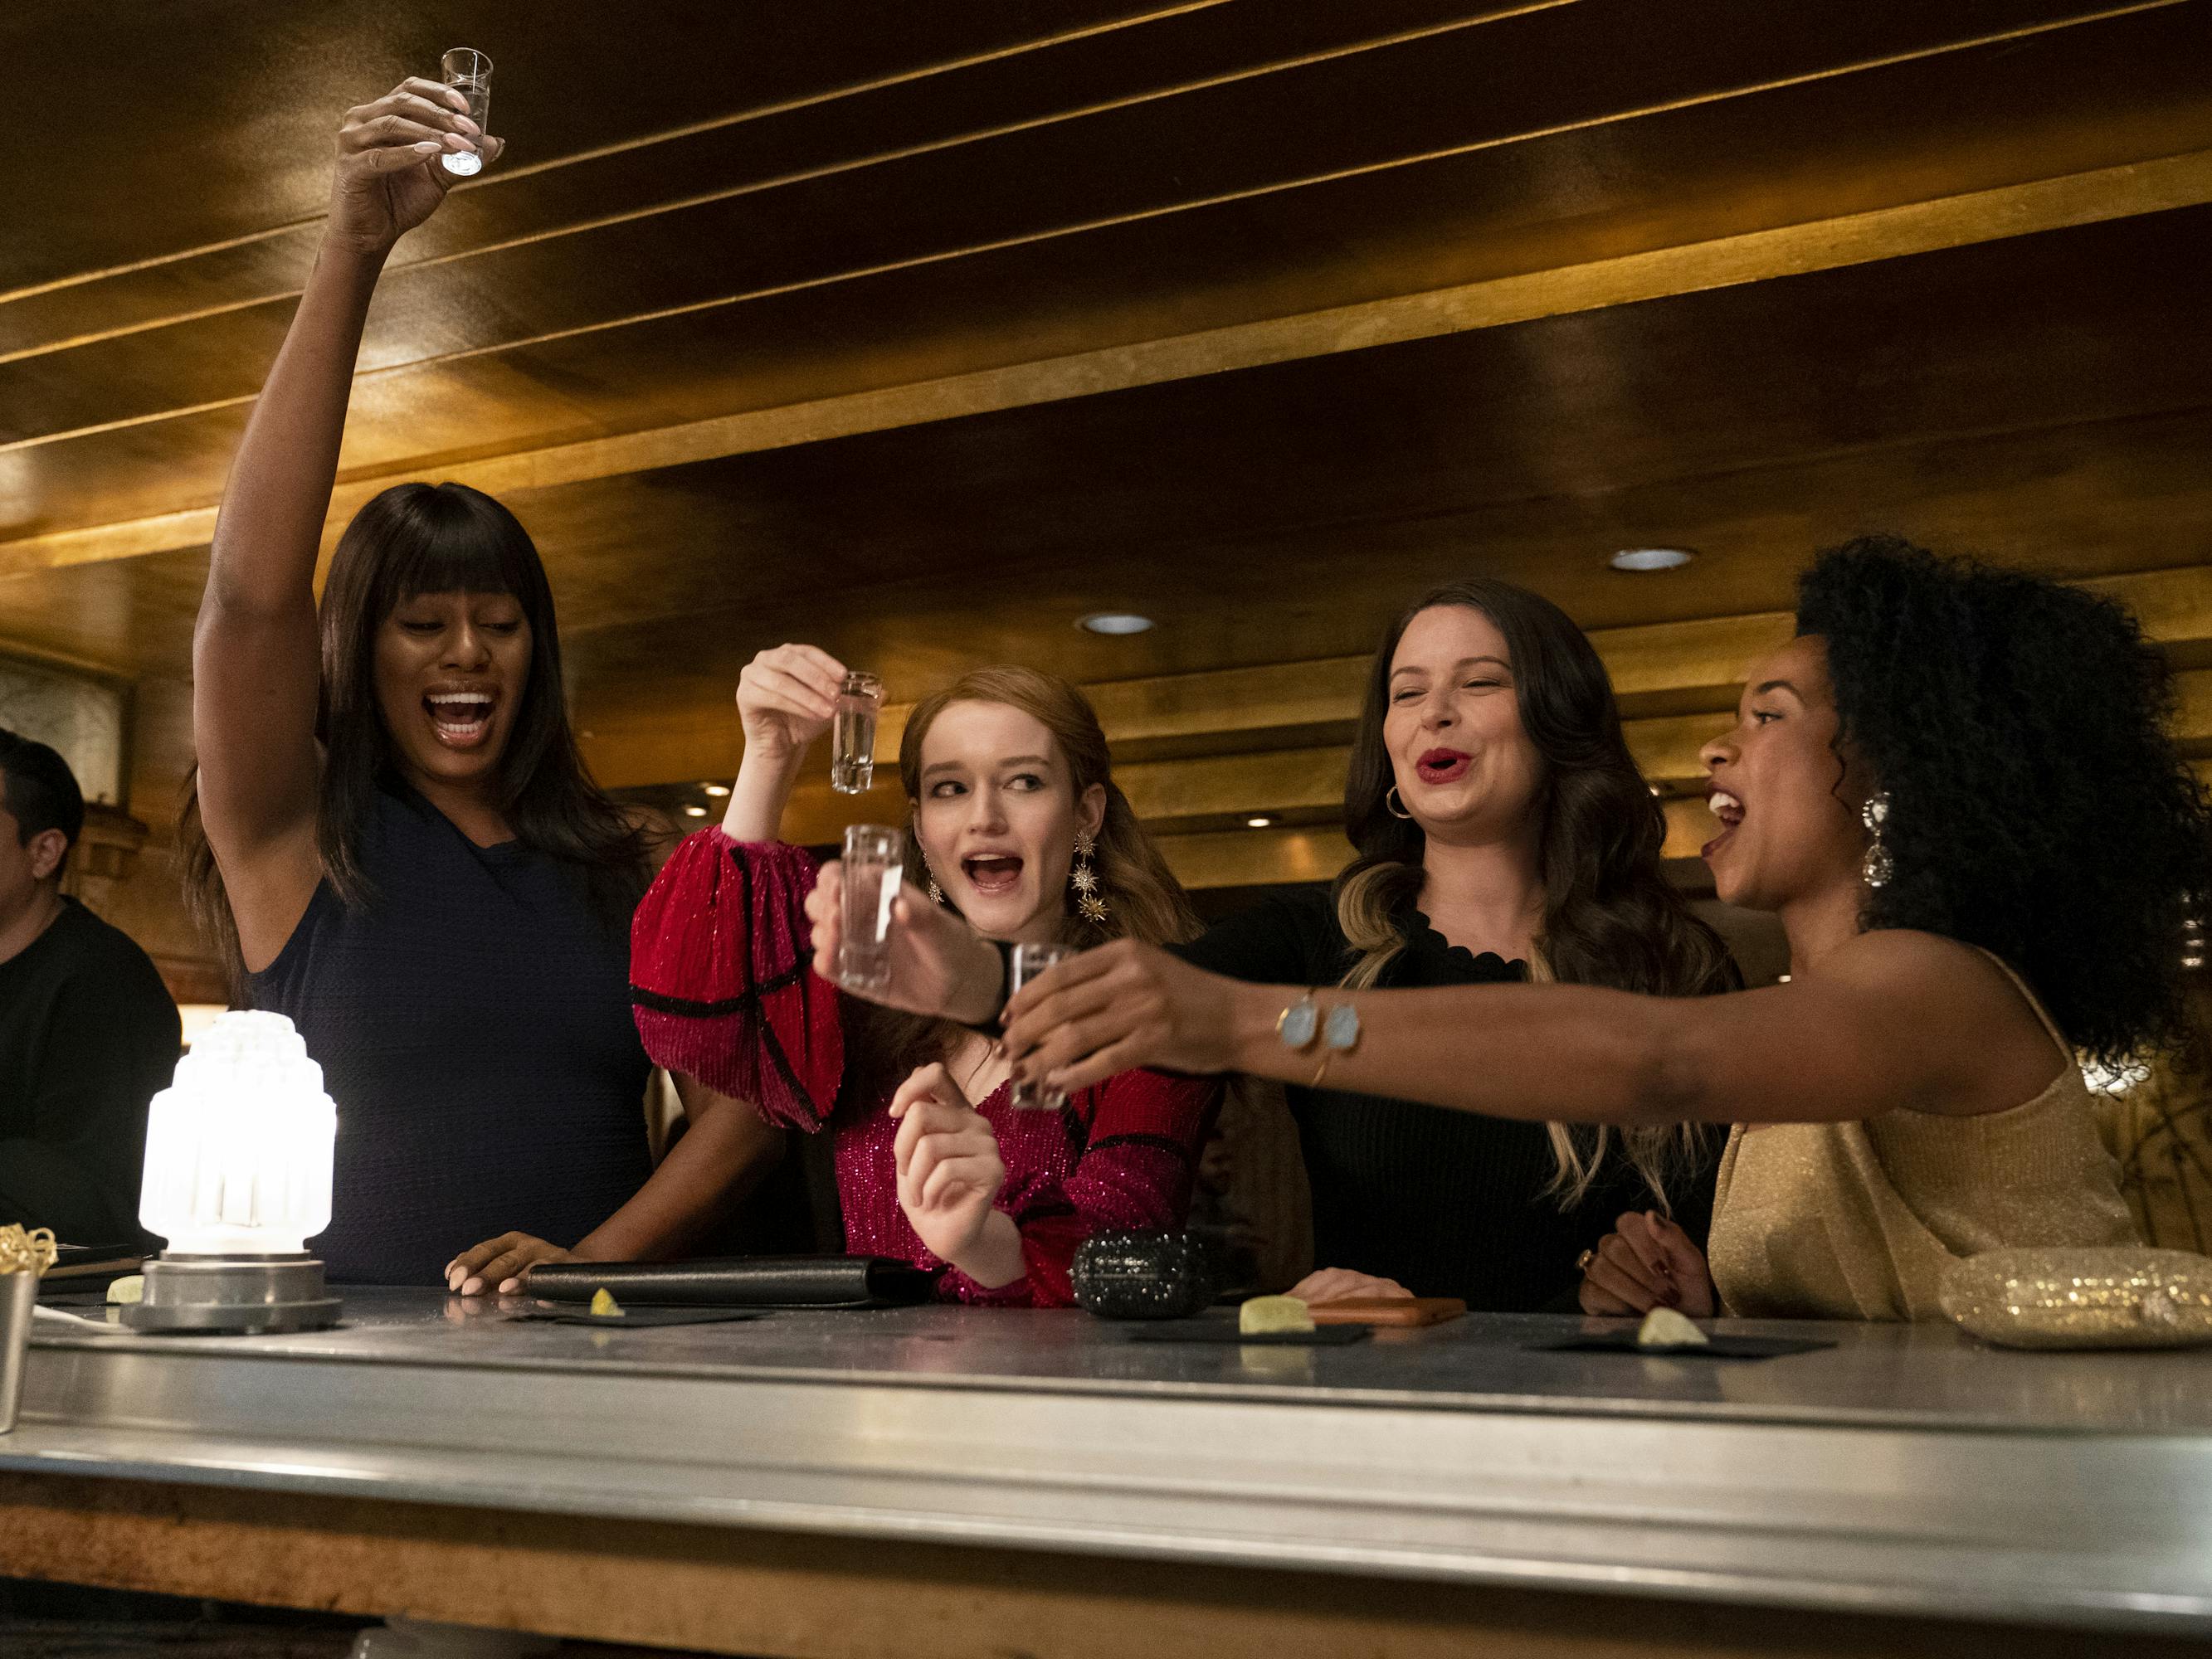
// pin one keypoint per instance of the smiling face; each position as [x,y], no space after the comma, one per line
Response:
[999,816]
[1790,831]
[450,670]
[1463,764]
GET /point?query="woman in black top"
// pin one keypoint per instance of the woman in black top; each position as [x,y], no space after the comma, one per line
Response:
[1500,823]
[393,836]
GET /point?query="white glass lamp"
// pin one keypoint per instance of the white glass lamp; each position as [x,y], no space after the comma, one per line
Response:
[238,1179]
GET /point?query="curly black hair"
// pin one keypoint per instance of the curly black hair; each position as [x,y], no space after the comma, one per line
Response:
[2037,807]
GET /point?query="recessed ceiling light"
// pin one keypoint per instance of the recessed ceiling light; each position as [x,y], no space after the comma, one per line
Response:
[1114,622]
[695,811]
[717,790]
[1261,821]
[1651,558]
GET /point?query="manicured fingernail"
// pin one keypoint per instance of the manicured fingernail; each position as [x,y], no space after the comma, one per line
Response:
[509,1286]
[468,126]
[472,1286]
[427,145]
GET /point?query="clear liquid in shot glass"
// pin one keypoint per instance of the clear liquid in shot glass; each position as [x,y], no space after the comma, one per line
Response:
[875,859]
[853,734]
[468,71]
[1027,961]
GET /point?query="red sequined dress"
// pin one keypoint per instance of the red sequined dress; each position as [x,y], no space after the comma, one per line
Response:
[723,990]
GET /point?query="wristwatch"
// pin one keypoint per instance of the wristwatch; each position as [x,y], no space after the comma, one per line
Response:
[1305,1021]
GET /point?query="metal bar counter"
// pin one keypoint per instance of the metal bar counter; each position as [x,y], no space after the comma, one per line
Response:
[1903,1472]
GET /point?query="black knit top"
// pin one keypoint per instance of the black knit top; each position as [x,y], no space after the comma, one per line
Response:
[473,1027]
[1445,1202]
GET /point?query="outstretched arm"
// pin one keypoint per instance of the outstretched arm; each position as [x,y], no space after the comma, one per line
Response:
[255,657]
[1891,1021]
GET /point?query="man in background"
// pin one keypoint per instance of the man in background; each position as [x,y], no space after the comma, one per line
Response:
[88,1031]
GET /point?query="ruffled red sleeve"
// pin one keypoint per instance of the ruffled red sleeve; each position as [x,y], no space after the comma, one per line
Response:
[721,979]
[1139,1166]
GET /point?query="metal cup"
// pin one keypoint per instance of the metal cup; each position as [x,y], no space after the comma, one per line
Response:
[19,1294]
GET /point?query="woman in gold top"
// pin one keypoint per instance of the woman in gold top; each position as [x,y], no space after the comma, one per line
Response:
[1954,789]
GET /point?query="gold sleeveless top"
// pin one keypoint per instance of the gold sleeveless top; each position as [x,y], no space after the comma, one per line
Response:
[1857,1220]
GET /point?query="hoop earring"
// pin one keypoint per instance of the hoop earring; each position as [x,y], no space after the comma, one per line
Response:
[1880,863]
[1394,803]
[1083,880]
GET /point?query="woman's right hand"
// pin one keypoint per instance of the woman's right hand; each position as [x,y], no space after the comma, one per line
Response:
[1649,1262]
[939,966]
[786,699]
[389,179]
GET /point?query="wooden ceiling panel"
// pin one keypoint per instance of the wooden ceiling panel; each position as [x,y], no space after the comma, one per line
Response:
[1342,244]
[217,115]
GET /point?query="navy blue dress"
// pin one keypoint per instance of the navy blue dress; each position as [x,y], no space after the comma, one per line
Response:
[473,1026]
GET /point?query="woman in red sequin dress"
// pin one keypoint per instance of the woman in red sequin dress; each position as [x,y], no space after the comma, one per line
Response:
[1016,821]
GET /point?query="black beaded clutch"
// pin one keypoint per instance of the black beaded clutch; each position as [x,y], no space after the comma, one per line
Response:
[1142,1275]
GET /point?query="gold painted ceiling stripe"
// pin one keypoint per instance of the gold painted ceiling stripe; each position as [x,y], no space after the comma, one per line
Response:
[528,169]
[1110,222]
[2177,181]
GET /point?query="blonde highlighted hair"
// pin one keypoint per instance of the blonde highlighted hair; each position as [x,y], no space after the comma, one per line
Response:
[1611,917]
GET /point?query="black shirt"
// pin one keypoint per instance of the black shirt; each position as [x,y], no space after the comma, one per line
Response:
[87,1035]
[1446,1202]
[473,1026]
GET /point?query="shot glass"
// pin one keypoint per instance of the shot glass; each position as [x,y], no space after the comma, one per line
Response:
[874,863]
[469,72]
[853,734]
[1027,961]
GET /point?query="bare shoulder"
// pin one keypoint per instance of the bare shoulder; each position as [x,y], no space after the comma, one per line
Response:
[1965,1002]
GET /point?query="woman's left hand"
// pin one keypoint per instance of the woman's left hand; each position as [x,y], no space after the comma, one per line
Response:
[1121,1005]
[501,1263]
[950,1172]
[1647,1262]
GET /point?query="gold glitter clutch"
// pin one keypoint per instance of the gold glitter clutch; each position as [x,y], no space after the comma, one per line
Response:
[26,1252]
[2123,1297]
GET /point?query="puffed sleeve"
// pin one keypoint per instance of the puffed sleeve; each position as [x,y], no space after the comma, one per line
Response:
[1136,1169]
[721,983]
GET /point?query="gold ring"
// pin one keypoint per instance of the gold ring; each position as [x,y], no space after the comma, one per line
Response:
[1582,1262]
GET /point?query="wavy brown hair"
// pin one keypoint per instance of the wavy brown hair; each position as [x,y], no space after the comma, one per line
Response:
[1611,917]
[1144,899]
[412,539]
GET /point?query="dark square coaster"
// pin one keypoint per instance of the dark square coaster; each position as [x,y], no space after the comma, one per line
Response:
[640,1319]
[1721,1348]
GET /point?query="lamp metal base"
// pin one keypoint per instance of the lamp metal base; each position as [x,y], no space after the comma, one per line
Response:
[249,1294]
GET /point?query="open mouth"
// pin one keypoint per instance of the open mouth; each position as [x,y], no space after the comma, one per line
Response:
[461,719]
[1442,766]
[1729,810]
[992,873]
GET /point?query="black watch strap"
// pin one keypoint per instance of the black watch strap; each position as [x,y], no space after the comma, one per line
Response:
[991,1028]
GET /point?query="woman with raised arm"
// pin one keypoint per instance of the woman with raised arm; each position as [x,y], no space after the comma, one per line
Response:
[393,835]
[1017,824]
[1504,832]
[1955,790]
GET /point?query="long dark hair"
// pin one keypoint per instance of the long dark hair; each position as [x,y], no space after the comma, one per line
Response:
[1611,917]
[2038,808]
[1143,899]
[412,539]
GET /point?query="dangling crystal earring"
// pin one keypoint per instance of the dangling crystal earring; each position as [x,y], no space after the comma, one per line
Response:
[1879,866]
[936,893]
[1084,880]
[1394,803]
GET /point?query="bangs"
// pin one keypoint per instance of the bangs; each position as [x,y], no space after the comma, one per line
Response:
[453,540]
